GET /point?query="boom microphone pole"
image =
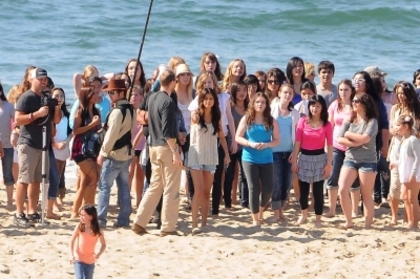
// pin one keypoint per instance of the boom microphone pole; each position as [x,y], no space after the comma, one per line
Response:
[141,44]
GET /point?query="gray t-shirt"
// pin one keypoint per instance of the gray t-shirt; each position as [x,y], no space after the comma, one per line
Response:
[31,134]
[328,97]
[7,113]
[365,153]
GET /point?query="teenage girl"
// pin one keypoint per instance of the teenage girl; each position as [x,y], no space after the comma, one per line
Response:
[338,111]
[7,116]
[275,79]
[136,173]
[258,133]
[287,118]
[309,159]
[87,120]
[209,62]
[262,79]
[80,80]
[295,72]
[83,242]
[61,139]
[240,102]
[140,79]
[234,72]
[202,154]
[408,168]
[407,104]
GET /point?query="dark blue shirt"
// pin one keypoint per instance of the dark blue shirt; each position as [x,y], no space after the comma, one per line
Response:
[383,123]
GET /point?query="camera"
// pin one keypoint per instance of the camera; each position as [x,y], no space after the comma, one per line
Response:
[46,100]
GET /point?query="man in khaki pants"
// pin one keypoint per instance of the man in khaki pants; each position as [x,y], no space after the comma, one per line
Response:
[165,159]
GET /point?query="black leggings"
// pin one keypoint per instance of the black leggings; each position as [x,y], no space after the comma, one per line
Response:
[260,184]
[317,191]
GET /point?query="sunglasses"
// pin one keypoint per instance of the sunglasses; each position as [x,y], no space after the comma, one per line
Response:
[276,82]
[356,101]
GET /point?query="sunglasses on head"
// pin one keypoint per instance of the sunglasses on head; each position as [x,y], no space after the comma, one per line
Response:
[273,81]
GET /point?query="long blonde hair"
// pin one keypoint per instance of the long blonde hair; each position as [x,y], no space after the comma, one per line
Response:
[202,78]
[175,61]
[88,72]
[227,79]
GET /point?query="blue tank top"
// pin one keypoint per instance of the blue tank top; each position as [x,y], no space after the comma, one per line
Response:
[258,133]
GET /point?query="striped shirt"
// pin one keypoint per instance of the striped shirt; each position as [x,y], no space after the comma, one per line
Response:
[203,146]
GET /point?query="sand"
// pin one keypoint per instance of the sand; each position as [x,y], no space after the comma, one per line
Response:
[228,248]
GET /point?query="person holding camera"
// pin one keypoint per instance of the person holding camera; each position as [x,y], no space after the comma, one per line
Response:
[86,122]
[33,112]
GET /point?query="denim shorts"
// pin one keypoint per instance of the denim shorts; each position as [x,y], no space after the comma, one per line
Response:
[209,168]
[337,163]
[363,167]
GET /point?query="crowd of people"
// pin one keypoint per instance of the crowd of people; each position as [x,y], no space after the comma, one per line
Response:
[216,135]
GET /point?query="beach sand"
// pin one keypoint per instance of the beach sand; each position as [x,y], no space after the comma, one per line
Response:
[228,248]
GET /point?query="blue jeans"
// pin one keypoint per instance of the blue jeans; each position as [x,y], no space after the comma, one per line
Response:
[114,170]
[54,176]
[7,166]
[282,179]
[83,271]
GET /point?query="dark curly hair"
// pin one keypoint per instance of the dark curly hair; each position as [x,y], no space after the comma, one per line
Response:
[371,110]
[370,86]
[250,113]
[324,110]
[215,110]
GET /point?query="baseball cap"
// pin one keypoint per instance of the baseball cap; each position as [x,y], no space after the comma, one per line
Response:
[374,69]
[39,73]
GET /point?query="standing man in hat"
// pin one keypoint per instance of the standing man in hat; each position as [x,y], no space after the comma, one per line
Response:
[116,154]
[32,115]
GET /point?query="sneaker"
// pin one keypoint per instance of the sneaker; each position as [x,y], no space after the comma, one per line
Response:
[35,218]
[22,221]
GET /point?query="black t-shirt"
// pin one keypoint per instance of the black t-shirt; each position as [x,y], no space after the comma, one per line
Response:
[31,134]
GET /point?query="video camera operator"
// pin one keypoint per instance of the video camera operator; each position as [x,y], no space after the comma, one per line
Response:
[34,110]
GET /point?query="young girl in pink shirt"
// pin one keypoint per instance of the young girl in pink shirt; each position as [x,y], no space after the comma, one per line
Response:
[85,236]
[338,111]
[314,165]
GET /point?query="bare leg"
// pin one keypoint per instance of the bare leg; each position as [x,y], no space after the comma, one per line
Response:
[332,202]
[9,192]
[198,181]
[347,177]
[88,176]
[355,200]
[367,181]
[21,191]
[33,197]
[205,204]
[235,184]
[303,217]
[394,210]
[138,183]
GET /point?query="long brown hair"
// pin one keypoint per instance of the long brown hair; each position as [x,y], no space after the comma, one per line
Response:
[353,93]
[250,113]
[142,76]
[369,106]
[94,223]
[85,94]
[213,58]
[215,110]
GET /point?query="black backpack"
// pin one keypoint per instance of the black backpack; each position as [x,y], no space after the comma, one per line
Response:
[93,142]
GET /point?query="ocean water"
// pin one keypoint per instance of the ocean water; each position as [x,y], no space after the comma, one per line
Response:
[64,36]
